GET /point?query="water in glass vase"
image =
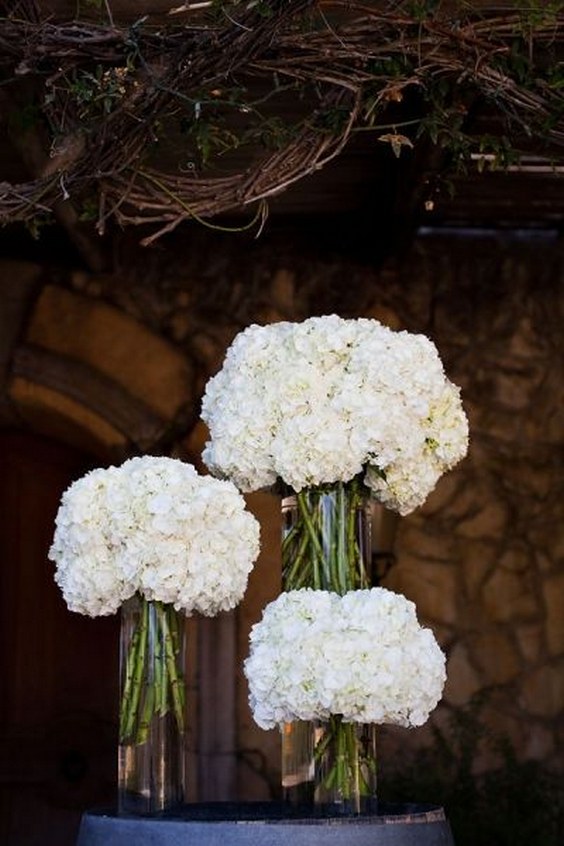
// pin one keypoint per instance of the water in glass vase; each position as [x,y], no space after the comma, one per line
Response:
[326,538]
[330,766]
[151,759]
[326,545]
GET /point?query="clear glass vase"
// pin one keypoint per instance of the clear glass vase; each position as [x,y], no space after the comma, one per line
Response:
[326,545]
[330,766]
[326,538]
[152,720]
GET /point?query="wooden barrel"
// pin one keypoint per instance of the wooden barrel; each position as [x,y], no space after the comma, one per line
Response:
[266,824]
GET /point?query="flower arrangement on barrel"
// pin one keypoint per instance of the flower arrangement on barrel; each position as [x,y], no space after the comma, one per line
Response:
[162,542]
[335,414]
[346,663]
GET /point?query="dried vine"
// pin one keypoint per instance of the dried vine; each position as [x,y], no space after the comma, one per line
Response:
[289,80]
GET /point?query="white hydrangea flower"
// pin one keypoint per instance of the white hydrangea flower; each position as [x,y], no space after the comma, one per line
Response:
[362,655]
[156,527]
[85,547]
[324,400]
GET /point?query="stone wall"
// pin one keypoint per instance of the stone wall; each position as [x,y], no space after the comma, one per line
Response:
[484,558]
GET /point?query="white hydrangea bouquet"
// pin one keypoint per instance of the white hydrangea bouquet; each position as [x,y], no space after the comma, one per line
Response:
[361,658]
[329,406]
[328,399]
[178,542]
[153,526]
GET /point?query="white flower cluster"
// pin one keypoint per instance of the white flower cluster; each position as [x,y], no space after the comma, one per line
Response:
[324,400]
[153,525]
[362,655]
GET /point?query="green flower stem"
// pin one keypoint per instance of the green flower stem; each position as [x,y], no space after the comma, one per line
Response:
[347,765]
[142,734]
[297,571]
[357,565]
[318,560]
[129,672]
[132,695]
[321,549]
[153,685]
[161,705]
[176,683]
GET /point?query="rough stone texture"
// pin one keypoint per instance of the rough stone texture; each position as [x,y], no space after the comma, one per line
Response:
[531,639]
[494,310]
[432,587]
[543,691]
[495,655]
[510,596]
[553,590]
[463,680]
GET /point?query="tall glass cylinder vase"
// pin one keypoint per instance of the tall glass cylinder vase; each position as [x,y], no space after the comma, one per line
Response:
[152,720]
[326,545]
[326,538]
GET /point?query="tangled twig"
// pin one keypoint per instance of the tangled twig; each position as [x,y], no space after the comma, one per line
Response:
[106,96]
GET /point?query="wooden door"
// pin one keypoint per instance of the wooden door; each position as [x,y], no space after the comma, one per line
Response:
[58,670]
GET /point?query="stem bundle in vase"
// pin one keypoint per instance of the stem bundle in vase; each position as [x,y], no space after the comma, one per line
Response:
[326,538]
[153,682]
[152,720]
[345,761]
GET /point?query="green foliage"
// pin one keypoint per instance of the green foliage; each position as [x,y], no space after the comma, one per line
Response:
[331,120]
[516,63]
[99,91]
[218,121]
[536,13]
[444,124]
[499,151]
[36,225]
[94,93]
[519,803]
[272,133]
[421,9]
[89,209]
[263,7]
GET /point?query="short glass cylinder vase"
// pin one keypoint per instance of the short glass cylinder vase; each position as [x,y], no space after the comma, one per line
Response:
[330,766]
[326,545]
[326,538]
[152,720]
